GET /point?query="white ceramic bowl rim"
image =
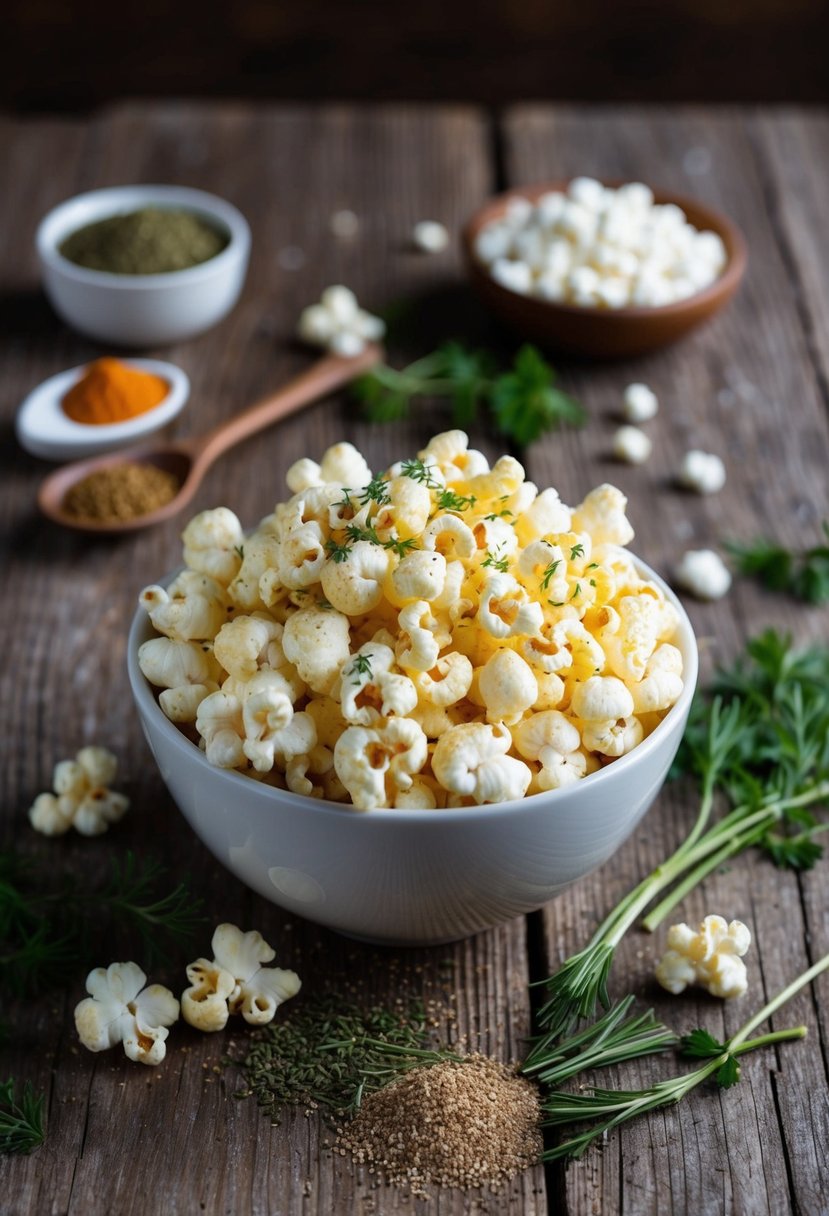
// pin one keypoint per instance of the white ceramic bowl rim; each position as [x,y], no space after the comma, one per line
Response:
[142,691]
[74,213]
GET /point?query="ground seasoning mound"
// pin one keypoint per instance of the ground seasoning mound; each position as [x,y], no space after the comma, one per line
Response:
[472,1123]
[150,241]
[122,492]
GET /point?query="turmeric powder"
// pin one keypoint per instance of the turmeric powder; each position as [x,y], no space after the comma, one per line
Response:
[111,391]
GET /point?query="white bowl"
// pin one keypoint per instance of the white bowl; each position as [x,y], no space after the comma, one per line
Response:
[45,430]
[411,877]
[147,309]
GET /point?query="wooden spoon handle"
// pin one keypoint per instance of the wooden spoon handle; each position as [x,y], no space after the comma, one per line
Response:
[327,375]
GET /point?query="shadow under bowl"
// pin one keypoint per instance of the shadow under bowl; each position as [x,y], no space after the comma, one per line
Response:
[410,877]
[604,333]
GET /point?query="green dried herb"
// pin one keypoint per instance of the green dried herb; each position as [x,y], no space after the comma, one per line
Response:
[330,1053]
[149,241]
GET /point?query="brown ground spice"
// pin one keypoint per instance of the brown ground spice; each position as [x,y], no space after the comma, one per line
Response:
[472,1123]
[124,491]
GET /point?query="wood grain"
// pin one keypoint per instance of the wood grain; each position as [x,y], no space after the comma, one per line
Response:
[752,386]
[748,387]
[114,1129]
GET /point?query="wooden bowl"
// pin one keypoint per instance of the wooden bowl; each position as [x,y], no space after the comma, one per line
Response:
[604,332]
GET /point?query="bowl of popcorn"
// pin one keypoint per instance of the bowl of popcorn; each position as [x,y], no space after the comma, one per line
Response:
[412,704]
[604,270]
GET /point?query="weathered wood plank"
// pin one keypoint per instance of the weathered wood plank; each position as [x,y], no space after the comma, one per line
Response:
[122,1139]
[746,388]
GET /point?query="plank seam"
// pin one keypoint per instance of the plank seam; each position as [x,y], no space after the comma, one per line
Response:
[772,200]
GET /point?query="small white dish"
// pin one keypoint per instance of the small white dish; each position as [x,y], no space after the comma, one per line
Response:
[43,428]
[142,309]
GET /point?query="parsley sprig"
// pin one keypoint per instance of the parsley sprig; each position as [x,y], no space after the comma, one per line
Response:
[523,402]
[21,1117]
[758,742]
[805,575]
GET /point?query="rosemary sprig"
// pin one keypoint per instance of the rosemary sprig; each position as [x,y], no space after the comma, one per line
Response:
[523,402]
[759,740]
[48,924]
[805,575]
[21,1117]
[614,1107]
[610,1040]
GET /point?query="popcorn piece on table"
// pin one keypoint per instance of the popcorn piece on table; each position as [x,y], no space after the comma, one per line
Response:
[120,1009]
[704,573]
[631,445]
[711,958]
[338,324]
[430,237]
[702,472]
[235,981]
[639,403]
[82,798]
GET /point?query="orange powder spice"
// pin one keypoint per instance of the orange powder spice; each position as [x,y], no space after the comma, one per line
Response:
[112,391]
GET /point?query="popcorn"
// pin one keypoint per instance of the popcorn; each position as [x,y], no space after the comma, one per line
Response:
[119,1009]
[236,982]
[430,237]
[81,797]
[640,403]
[702,472]
[711,957]
[338,324]
[631,445]
[369,645]
[704,573]
[600,248]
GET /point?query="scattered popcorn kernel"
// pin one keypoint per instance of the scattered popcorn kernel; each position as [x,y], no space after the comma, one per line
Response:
[704,573]
[430,237]
[702,472]
[119,1009]
[81,797]
[440,633]
[235,981]
[338,324]
[631,445]
[711,958]
[639,403]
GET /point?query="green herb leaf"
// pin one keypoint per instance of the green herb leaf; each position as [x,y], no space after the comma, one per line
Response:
[728,1074]
[497,563]
[338,553]
[804,575]
[21,1117]
[525,403]
[448,500]
[701,1045]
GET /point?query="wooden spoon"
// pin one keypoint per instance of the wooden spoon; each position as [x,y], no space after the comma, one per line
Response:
[189,459]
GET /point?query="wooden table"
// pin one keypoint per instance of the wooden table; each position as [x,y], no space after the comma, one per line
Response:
[754,386]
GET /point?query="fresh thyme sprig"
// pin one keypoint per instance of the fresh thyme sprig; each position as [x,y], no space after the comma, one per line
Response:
[614,1107]
[805,575]
[523,402]
[21,1117]
[759,740]
[49,923]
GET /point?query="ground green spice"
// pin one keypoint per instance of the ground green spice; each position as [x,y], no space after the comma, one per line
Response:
[149,241]
[330,1053]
